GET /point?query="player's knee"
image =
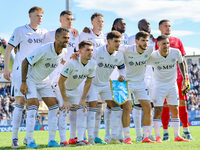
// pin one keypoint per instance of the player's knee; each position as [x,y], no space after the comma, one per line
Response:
[20,100]
[93,104]
[127,107]
[157,112]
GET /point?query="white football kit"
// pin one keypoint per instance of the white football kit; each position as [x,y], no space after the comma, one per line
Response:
[26,39]
[97,40]
[164,76]
[135,65]
[76,72]
[43,61]
[73,41]
[106,63]
[149,72]
[124,41]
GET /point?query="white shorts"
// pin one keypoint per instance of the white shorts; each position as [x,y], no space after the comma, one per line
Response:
[43,90]
[139,90]
[16,83]
[103,90]
[74,96]
[169,92]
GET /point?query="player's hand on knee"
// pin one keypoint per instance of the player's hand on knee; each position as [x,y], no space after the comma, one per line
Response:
[24,88]
[83,103]
[65,107]
[121,78]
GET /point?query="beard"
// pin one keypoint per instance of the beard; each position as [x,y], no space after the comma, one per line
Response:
[146,30]
[142,47]
[121,30]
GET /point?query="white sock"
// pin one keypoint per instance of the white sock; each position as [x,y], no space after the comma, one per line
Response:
[120,128]
[30,123]
[91,122]
[157,125]
[165,131]
[81,122]
[137,117]
[107,113]
[97,121]
[114,121]
[176,126]
[186,129]
[146,131]
[52,121]
[72,121]
[151,125]
[17,117]
[62,125]
[126,132]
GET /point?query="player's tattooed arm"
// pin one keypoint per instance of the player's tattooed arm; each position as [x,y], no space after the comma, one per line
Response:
[183,69]
[24,87]
[185,64]
[24,69]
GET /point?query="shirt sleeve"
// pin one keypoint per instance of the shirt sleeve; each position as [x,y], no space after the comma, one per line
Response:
[67,69]
[15,39]
[35,56]
[180,58]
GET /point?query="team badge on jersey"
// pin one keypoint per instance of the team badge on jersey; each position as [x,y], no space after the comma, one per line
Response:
[120,91]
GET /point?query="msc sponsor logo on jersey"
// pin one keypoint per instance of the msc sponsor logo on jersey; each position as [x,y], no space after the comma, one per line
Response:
[83,76]
[71,44]
[66,70]
[48,65]
[109,66]
[165,67]
[34,40]
[138,63]
[31,58]
[124,42]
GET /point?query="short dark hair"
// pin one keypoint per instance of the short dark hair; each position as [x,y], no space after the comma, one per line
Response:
[60,30]
[96,15]
[141,34]
[65,12]
[83,43]
[113,34]
[164,20]
[35,8]
[115,22]
[161,37]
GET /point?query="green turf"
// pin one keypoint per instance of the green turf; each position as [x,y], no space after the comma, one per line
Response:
[41,138]
[10,62]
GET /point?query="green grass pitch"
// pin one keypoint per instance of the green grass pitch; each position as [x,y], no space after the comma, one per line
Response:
[41,138]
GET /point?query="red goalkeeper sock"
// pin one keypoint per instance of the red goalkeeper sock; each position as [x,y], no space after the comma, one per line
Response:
[183,115]
[165,117]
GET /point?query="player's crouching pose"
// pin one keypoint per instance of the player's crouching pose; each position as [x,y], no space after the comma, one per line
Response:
[36,67]
[74,72]
[164,61]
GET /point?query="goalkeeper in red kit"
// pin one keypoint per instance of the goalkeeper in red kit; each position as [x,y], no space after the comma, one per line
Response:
[165,28]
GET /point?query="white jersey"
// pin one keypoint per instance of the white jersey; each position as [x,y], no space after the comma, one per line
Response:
[43,61]
[124,39]
[165,68]
[97,40]
[27,40]
[106,63]
[135,63]
[73,42]
[76,72]
[131,41]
